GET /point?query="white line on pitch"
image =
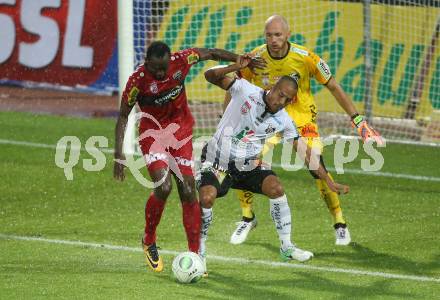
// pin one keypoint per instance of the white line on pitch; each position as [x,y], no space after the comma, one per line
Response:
[379,174]
[229,259]
[46,146]
[348,171]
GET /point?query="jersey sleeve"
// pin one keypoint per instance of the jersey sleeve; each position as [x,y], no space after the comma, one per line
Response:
[131,91]
[318,68]
[239,88]
[187,57]
[246,73]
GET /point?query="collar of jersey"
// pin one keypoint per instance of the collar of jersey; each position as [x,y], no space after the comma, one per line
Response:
[279,58]
[266,109]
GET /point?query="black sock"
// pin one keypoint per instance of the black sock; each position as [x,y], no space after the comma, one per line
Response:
[246,219]
[339,225]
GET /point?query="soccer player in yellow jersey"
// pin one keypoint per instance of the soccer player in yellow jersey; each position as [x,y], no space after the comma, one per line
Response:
[285,58]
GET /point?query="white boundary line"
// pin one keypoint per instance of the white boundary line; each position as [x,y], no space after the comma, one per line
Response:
[234,260]
[391,141]
[379,174]
[348,171]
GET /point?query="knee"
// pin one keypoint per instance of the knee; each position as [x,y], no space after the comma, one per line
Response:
[164,190]
[272,187]
[187,192]
[275,191]
[207,199]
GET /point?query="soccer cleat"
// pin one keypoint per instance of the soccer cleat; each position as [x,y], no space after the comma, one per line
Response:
[295,253]
[240,234]
[342,234]
[152,257]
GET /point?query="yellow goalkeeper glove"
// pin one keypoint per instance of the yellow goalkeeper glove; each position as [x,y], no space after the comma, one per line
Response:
[366,131]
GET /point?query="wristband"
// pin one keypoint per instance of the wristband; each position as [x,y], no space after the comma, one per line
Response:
[357,119]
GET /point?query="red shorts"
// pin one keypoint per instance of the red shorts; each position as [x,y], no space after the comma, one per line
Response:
[167,152]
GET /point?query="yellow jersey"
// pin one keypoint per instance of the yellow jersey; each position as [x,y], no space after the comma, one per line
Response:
[306,65]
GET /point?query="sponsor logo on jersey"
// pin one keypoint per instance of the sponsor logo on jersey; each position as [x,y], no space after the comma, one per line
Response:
[177,75]
[132,96]
[245,108]
[153,157]
[153,88]
[184,162]
[300,51]
[270,129]
[324,69]
[243,135]
[170,96]
[193,58]
[161,99]
[248,136]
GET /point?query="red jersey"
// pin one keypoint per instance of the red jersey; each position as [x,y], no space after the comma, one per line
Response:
[164,99]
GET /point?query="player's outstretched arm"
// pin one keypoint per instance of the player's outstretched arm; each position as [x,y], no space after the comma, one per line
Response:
[121,125]
[220,54]
[217,75]
[366,131]
[341,97]
[310,159]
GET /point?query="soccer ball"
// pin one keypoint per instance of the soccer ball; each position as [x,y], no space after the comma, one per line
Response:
[188,267]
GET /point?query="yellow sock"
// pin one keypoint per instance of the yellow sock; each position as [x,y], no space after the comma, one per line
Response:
[331,199]
[246,199]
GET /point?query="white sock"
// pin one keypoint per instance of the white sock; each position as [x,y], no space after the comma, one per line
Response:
[206,222]
[280,212]
[207,215]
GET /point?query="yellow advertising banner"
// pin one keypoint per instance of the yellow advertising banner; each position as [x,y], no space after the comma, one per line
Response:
[400,41]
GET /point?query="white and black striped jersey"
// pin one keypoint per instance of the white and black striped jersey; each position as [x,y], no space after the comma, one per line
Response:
[246,124]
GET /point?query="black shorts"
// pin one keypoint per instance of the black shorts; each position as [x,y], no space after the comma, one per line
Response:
[233,178]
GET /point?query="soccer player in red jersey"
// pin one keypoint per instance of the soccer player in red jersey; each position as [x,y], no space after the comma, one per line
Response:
[158,88]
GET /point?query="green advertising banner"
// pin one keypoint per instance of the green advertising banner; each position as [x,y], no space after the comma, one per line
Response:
[400,39]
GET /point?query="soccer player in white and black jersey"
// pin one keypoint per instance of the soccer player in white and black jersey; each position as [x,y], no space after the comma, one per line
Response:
[230,158]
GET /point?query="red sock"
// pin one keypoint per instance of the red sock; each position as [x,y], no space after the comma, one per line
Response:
[153,213]
[192,221]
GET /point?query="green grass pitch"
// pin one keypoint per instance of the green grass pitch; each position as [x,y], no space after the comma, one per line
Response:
[394,222]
